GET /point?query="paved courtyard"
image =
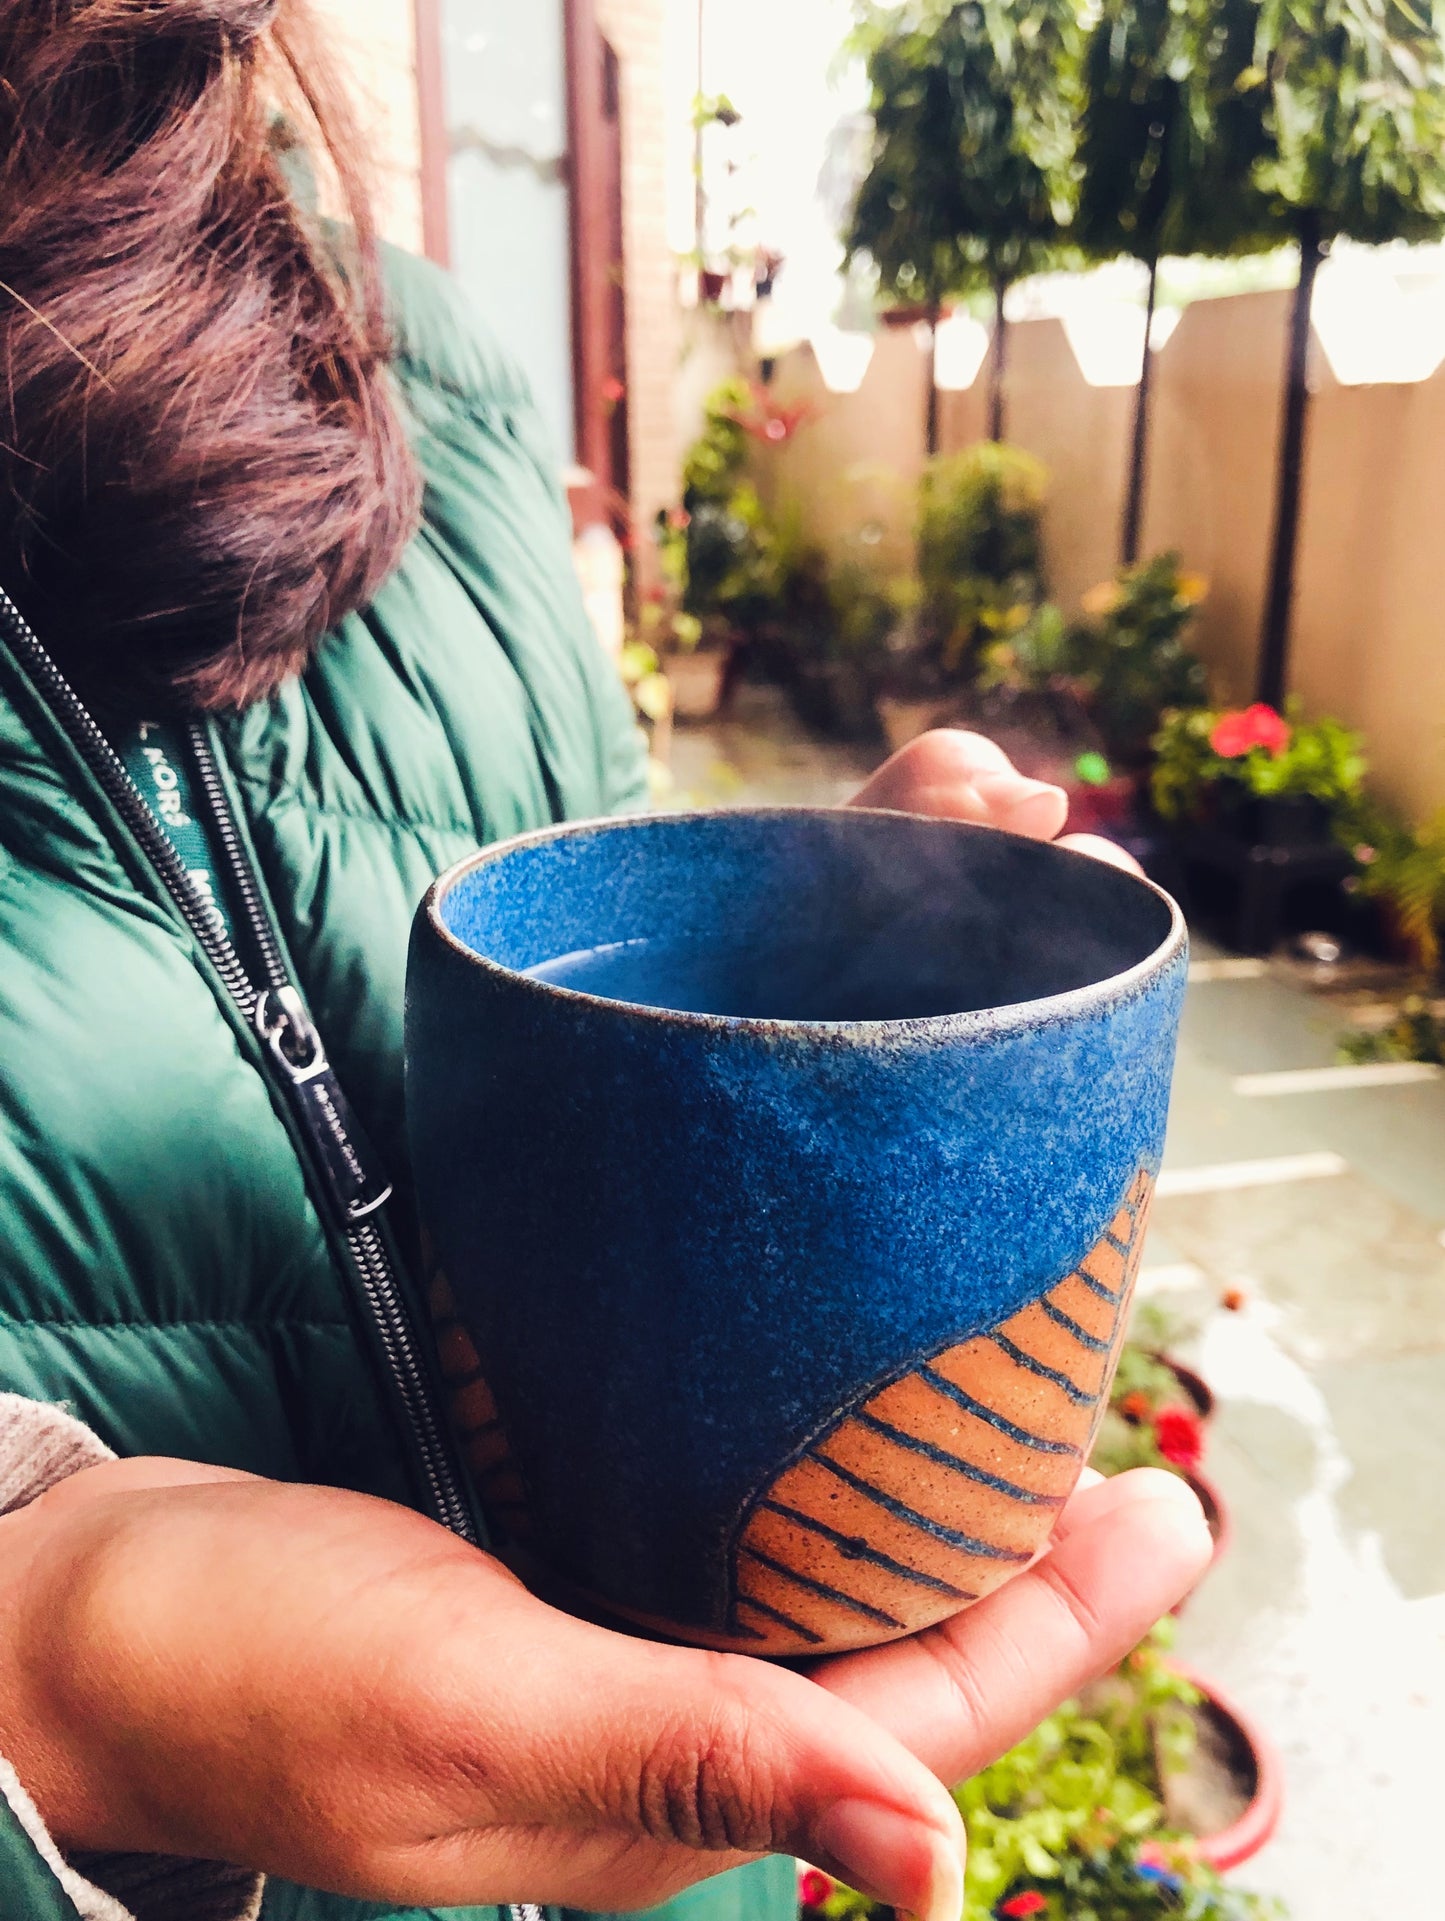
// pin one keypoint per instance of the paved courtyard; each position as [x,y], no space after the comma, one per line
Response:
[1318,1202]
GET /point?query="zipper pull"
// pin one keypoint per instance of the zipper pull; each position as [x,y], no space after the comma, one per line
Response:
[343,1155]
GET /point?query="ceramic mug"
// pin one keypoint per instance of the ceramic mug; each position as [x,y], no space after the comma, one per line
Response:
[790,1170]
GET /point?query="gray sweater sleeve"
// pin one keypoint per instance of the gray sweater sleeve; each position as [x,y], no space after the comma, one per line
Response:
[39,1446]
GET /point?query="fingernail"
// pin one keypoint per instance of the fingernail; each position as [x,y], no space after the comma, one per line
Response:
[894,1858]
[1182,1515]
[1022,803]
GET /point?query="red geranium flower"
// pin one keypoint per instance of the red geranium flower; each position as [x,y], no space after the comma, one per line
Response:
[769,420]
[1180,1436]
[813,1888]
[1023,1904]
[1258,726]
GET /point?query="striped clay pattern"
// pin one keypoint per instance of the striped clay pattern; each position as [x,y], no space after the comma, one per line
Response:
[940,1486]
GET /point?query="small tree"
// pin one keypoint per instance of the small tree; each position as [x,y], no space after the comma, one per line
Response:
[1129,134]
[1167,147]
[908,208]
[1356,114]
[968,180]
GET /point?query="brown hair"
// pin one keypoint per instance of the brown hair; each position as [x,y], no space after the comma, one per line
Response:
[201,466]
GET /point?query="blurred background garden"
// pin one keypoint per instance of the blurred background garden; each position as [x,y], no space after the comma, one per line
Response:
[1074,372]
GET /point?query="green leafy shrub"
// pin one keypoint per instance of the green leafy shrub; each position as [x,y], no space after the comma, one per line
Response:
[980,563]
[1255,752]
[1404,867]
[1129,656]
[1070,1825]
[1416,1033]
[718,553]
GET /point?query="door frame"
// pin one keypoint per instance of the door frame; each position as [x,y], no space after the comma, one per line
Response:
[432,121]
[589,218]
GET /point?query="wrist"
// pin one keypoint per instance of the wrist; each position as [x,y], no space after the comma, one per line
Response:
[36,1739]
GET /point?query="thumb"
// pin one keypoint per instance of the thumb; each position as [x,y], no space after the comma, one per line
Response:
[706,1754]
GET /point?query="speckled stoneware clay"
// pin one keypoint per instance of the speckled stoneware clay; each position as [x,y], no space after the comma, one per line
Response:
[796,1234]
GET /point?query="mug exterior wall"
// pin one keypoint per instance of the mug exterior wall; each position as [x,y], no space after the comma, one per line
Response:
[798,1335]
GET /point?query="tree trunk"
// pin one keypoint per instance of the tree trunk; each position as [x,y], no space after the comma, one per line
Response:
[996,420]
[1139,451]
[1279,602]
[935,320]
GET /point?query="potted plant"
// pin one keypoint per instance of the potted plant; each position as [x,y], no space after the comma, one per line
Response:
[1140,1431]
[1403,868]
[979,581]
[1415,1032]
[1077,1813]
[1149,1363]
[717,555]
[830,638]
[1276,779]
[1129,657]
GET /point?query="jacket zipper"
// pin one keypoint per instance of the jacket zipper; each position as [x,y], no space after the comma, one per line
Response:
[293,1054]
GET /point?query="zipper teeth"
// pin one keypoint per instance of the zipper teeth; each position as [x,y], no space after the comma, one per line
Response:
[109,769]
[257,919]
[377,1278]
[368,1249]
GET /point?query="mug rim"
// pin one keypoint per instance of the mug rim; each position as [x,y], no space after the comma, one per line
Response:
[987,1022]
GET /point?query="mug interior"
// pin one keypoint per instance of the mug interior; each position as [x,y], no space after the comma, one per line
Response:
[804,915]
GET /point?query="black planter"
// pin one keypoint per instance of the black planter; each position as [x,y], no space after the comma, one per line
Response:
[1279,820]
[833,697]
[1264,868]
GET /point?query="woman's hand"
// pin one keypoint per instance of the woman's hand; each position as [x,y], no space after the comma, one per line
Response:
[965,776]
[333,1689]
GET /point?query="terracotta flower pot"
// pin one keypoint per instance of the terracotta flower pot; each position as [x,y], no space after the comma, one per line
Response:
[1194,1388]
[697,681]
[904,720]
[900,317]
[1231,1797]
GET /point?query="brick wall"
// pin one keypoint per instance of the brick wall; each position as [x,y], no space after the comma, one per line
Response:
[635,29]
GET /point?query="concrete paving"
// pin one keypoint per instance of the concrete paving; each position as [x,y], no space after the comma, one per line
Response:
[1326,1621]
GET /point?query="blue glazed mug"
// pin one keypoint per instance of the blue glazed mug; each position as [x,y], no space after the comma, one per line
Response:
[790,1171]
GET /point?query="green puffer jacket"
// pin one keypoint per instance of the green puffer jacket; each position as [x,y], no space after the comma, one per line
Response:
[165,1268]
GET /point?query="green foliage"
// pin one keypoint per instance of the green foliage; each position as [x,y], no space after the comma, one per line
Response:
[1357,115]
[719,553]
[1142,1372]
[1025,1813]
[1130,129]
[1124,1445]
[1085,1782]
[1323,760]
[1417,1033]
[1404,866]
[1114,1884]
[1126,660]
[868,609]
[717,461]
[1036,657]
[1074,1812]
[1224,138]
[980,561]
[1185,765]
[970,180]
[1130,656]
[1143,1384]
